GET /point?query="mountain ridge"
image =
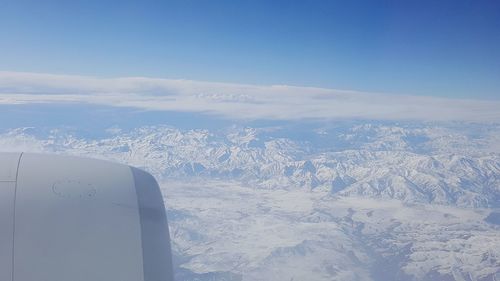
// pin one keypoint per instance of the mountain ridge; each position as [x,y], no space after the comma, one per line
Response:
[438,165]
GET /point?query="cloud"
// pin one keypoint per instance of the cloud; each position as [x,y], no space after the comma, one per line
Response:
[238,101]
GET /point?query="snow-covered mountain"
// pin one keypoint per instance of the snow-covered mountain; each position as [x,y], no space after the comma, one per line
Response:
[347,201]
[222,231]
[453,164]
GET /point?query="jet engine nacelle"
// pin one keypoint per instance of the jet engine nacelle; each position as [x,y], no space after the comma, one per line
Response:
[77,219]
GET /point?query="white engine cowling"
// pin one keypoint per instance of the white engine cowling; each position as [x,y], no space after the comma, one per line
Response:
[77,219]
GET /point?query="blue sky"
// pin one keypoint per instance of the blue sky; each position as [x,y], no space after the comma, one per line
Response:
[437,48]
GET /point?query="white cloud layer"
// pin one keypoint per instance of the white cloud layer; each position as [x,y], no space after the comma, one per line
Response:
[238,101]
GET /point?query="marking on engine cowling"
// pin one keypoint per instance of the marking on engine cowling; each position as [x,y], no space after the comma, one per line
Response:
[74,189]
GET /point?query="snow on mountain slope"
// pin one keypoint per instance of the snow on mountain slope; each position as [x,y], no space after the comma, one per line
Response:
[429,164]
[226,232]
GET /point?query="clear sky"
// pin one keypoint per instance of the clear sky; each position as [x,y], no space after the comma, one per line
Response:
[439,48]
